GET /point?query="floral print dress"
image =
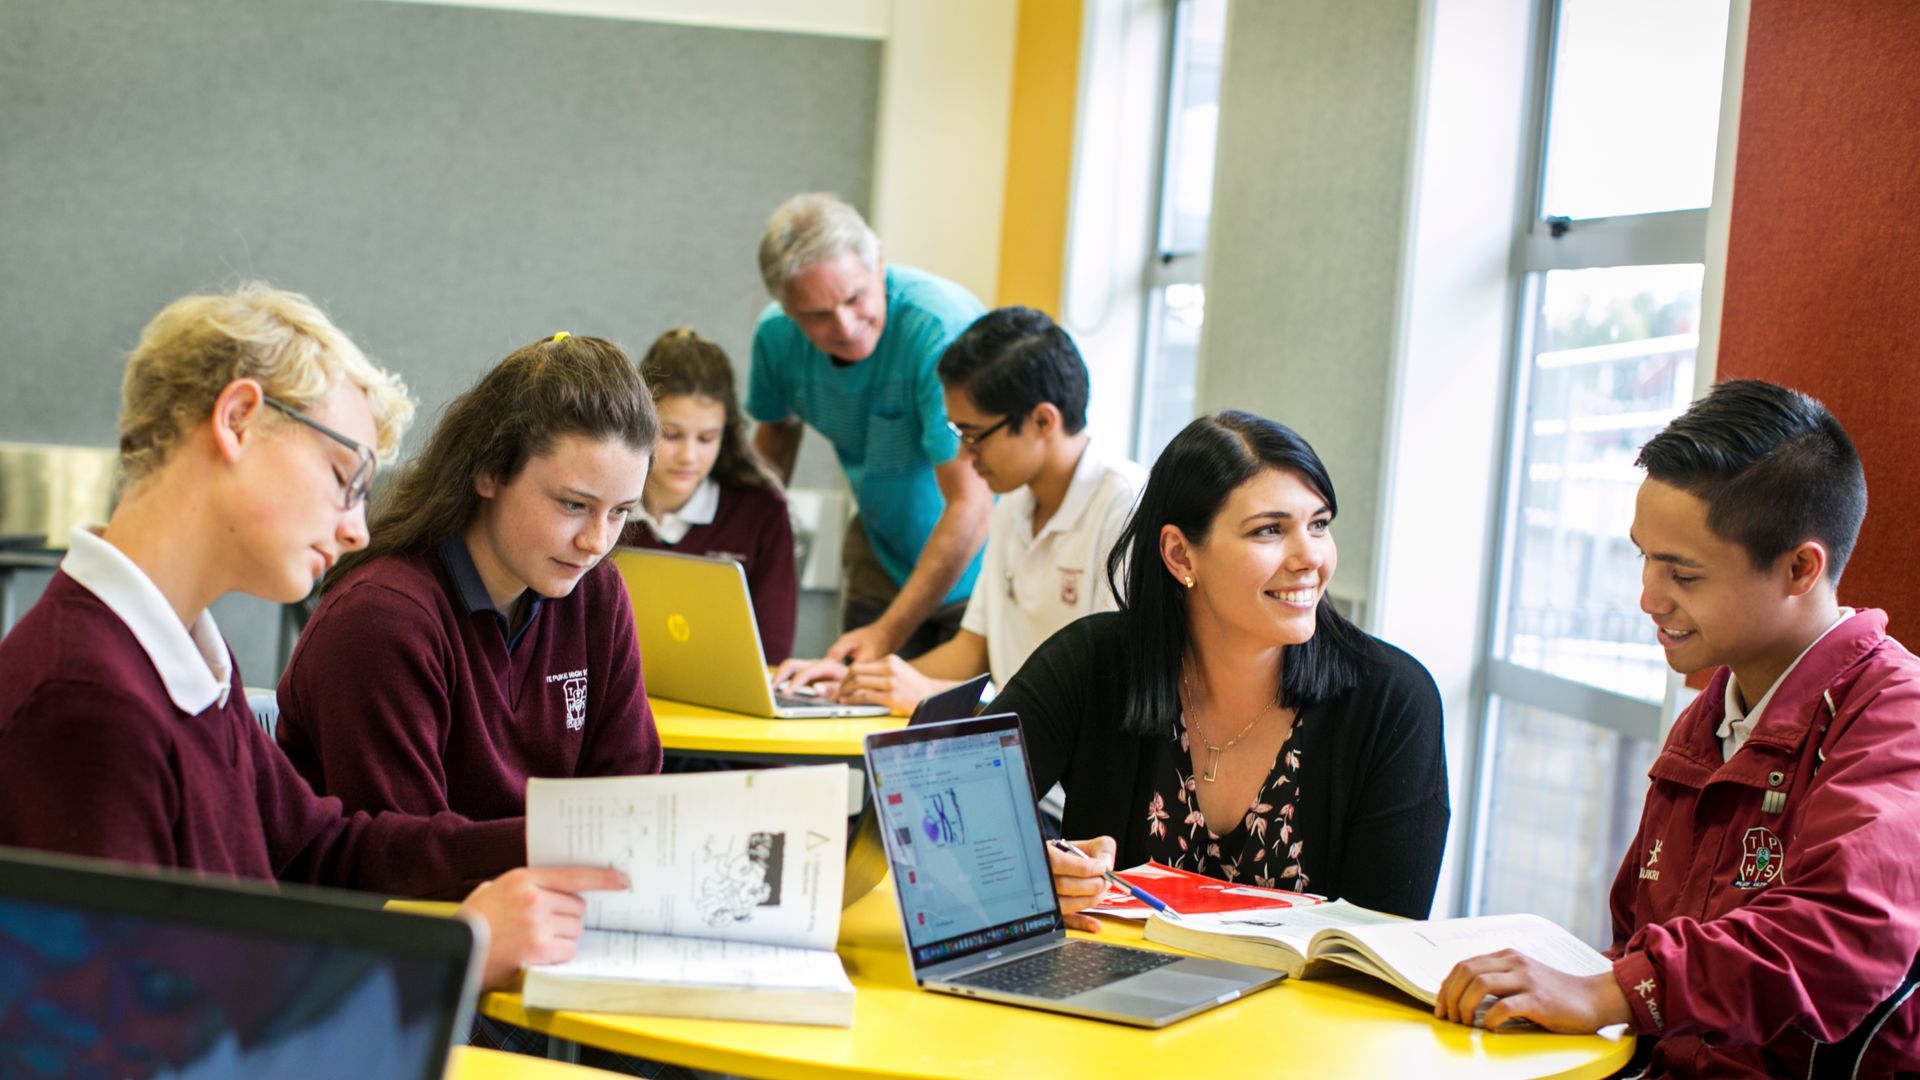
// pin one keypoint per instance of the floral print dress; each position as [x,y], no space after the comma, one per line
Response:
[1260,850]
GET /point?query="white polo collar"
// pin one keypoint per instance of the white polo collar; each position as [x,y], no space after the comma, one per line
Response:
[673,526]
[194,664]
[1735,724]
[1087,474]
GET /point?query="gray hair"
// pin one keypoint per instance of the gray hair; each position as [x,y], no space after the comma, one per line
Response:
[809,229]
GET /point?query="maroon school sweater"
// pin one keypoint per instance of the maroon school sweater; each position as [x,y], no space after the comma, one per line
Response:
[95,759]
[402,693]
[751,527]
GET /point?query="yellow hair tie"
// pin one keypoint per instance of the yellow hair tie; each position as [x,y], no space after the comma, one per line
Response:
[561,336]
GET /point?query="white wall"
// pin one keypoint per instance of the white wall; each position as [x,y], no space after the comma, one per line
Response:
[1109,239]
[946,95]
[1445,413]
[843,18]
[1720,215]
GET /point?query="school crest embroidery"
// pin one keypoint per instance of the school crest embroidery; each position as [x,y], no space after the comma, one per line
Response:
[1760,865]
[576,691]
[1070,585]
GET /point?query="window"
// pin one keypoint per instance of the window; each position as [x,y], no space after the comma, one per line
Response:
[1610,270]
[1176,303]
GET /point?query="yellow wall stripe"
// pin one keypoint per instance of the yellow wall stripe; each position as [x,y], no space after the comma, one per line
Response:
[1046,84]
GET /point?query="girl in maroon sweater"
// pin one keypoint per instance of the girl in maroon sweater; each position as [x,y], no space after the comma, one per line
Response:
[479,639]
[250,427]
[709,493]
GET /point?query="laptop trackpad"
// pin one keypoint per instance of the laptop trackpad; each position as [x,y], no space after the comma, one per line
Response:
[1153,989]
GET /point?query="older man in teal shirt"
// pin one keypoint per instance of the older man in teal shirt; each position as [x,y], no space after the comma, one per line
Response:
[850,346]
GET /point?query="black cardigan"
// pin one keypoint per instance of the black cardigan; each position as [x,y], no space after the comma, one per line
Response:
[1373,808]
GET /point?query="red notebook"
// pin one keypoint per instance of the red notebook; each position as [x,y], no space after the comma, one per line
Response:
[1192,894]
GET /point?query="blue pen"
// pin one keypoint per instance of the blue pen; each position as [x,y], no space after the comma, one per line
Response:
[1119,882]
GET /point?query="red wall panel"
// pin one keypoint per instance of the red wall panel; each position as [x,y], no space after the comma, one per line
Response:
[1823,258]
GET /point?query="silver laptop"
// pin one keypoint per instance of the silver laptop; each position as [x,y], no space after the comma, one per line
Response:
[866,854]
[114,971]
[700,642]
[962,832]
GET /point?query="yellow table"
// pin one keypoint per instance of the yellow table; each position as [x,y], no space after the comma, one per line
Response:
[474,1063]
[695,729]
[1340,1027]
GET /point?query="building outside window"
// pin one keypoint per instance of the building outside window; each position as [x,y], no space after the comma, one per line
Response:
[1609,267]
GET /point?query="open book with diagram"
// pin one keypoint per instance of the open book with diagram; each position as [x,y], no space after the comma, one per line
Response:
[734,906]
[1339,938]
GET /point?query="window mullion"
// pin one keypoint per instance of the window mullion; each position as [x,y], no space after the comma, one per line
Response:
[1630,716]
[1175,269]
[1678,236]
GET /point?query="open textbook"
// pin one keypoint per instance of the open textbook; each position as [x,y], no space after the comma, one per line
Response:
[734,907]
[1339,938]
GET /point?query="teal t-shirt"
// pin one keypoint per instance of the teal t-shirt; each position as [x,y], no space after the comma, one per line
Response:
[884,415]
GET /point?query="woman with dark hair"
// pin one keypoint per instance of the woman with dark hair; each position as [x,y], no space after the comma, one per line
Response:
[1227,720]
[479,639]
[709,493]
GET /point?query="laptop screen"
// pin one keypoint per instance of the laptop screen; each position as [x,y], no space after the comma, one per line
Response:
[957,809]
[139,975]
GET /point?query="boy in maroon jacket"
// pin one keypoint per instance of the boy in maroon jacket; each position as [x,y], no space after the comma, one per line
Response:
[248,431]
[1767,915]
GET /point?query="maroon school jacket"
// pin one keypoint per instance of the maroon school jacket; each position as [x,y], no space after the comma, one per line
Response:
[1774,899]
[96,759]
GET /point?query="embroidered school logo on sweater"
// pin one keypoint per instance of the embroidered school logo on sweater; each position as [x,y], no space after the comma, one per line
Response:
[574,685]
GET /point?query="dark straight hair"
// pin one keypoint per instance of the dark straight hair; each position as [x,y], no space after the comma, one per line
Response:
[1189,484]
[558,386]
[1011,360]
[1773,466]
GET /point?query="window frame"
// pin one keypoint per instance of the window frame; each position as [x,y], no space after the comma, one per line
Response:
[1165,267]
[1543,244]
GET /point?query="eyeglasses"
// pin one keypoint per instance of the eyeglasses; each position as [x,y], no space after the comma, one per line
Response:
[977,438]
[354,492]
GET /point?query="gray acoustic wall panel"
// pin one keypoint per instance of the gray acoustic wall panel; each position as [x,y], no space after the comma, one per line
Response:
[1309,211]
[449,183]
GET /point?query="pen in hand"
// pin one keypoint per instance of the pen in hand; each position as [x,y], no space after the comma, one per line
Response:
[1122,884]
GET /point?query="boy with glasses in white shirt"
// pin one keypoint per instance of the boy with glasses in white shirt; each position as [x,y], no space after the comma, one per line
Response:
[1016,397]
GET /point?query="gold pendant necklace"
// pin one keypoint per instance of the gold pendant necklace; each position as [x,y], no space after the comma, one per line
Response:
[1214,752]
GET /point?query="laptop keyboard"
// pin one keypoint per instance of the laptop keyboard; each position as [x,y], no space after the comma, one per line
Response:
[1073,968]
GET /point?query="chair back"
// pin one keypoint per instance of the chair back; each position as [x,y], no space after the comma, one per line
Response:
[266,708]
[1832,1061]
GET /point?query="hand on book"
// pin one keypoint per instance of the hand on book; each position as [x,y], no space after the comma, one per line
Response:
[1080,882]
[1526,989]
[533,915]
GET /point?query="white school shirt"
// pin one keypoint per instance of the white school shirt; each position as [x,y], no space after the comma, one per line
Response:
[674,525]
[193,664]
[1736,725]
[1031,586]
